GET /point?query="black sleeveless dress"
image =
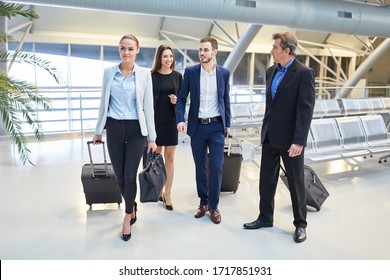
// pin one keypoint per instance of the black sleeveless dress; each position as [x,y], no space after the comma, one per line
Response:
[164,110]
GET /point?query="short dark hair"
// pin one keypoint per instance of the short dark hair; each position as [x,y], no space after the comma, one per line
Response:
[130,37]
[158,56]
[212,40]
[287,40]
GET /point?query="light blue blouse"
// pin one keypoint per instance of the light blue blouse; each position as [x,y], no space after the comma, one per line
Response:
[123,104]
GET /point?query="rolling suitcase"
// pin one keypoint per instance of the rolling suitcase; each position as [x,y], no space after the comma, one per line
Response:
[316,193]
[231,168]
[99,181]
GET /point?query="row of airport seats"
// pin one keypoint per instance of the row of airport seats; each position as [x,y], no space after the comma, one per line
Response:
[250,114]
[347,137]
[247,114]
[350,106]
[343,128]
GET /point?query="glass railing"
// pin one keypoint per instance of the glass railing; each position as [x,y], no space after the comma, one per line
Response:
[76,109]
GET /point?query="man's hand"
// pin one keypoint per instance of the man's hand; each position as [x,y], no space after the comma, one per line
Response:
[295,150]
[181,127]
[227,132]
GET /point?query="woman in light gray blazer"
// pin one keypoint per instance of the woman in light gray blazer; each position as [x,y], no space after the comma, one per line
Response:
[126,112]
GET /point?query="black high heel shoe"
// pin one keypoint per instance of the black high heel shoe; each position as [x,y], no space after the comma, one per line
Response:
[165,205]
[133,220]
[126,237]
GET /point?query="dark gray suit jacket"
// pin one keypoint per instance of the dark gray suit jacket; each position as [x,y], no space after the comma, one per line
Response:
[288,116]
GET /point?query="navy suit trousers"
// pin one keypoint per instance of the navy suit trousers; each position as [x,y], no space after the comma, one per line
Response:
[208,138]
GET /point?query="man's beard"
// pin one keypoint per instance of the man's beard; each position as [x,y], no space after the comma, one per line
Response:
[207,60]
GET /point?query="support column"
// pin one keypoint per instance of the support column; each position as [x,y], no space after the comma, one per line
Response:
[242,45]
[3,65]
[364,68]
[3,46]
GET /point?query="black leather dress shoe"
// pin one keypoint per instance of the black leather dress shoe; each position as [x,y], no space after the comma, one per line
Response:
[300,235]
[257,224]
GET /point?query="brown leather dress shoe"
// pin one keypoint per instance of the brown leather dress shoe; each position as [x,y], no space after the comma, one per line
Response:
[215,216]
[201,211]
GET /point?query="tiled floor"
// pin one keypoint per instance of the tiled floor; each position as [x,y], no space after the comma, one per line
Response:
[44,216]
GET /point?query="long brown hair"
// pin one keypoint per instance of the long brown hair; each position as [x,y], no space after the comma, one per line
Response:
[158,56]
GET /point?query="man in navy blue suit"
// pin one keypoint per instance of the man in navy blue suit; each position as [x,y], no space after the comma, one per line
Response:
[290,99]
[208,123]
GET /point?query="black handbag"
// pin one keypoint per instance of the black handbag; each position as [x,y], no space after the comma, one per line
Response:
[152,179]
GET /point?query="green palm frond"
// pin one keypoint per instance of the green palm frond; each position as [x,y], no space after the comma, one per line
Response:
[11,10]
[19,102]
[30,58]
[4,38]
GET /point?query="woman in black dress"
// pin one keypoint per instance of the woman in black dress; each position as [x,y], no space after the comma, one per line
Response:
[166,84]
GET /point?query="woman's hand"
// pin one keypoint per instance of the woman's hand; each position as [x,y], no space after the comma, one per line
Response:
[152,146]
[97,138]
[173,98]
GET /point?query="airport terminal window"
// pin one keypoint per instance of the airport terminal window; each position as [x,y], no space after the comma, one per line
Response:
[221,57]
[82,68]
[301,58]
[261,64]
[145,57]
[315,65]
[331,65]
[241,74]
[345,61]
[27,47]
[22,71]
[57,54]
[111,54]
[85,65]
[194,55]
[179,59]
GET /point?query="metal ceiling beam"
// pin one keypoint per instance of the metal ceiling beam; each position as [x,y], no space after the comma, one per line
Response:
[364,68]
[224,31]
[163,33]
[332,16]
[239,49]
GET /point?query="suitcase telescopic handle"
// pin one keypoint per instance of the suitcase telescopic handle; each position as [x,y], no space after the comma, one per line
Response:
[229,144]
[91,161]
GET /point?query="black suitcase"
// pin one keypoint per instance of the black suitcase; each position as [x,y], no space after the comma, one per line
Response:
[99,181]
[231,168]
[316,193]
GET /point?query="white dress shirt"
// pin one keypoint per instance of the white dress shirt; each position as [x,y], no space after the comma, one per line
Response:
[208,94]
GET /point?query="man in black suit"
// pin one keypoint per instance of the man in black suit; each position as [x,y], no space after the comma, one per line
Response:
[290,98]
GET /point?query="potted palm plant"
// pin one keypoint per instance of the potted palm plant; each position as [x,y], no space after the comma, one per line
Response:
[20,100]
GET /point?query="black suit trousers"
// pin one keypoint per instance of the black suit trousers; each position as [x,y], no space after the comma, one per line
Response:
[269,175]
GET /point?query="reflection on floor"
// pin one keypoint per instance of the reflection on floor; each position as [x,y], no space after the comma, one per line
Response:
[44,216]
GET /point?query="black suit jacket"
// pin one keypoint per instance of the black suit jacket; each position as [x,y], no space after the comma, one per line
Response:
[288,116]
